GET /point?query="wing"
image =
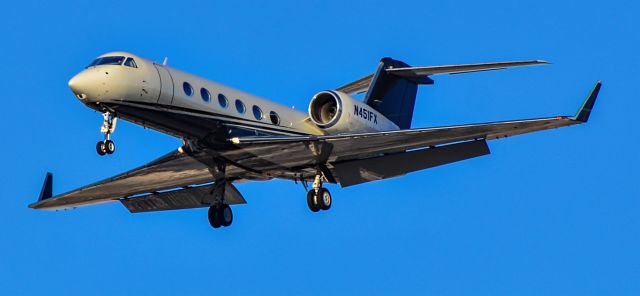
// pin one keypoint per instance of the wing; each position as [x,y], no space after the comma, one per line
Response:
[363,83]
[173,170]
[298,153]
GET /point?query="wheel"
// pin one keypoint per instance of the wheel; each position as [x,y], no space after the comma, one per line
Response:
[311,201]
[213,217]
[324,198]
[109,146]
[225,215]
[101,148]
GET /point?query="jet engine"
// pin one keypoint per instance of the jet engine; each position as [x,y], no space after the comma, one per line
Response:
[338,113]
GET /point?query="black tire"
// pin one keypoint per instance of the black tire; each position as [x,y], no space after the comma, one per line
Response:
[100,148]
[324,199]
[109,147]
[213,217]
[225,215]
[311,196]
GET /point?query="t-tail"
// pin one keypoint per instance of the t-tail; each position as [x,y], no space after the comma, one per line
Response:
[393,87]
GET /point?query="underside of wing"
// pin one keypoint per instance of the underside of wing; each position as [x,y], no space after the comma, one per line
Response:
[175,170]
[169,171]
[297,153]
[301,151]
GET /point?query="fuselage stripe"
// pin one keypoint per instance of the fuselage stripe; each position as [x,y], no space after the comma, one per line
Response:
[241,122]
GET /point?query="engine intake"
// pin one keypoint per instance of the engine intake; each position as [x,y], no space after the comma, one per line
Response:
[325,109]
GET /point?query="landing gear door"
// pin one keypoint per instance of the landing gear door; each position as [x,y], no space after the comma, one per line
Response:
[166,85]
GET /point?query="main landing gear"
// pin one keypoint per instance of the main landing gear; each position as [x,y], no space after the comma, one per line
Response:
[108,127]
[319,198]
[220,216]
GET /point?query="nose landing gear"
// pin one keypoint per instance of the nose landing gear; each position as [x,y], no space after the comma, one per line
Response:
[107,146]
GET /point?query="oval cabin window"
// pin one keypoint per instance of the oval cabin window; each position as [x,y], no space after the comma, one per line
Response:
[206,96]
[257,112]
[275,119]
[188,90]
[240,107]
[222,100]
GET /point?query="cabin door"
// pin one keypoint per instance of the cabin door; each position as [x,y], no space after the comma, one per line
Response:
[166,85]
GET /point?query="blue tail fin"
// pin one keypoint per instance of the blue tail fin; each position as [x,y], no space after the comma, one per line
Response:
[392,95]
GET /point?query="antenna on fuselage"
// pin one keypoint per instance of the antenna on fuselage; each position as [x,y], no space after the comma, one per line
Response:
[166,61]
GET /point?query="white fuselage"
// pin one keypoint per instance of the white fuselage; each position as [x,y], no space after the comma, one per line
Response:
[156,95]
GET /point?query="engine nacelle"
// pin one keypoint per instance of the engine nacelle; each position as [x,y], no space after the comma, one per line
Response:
[336,113]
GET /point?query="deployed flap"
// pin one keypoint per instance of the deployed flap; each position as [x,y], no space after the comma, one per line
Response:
[377,168]
[192,197]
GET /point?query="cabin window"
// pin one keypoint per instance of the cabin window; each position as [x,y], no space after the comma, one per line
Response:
[240,107]
[222,100]
[188,90]
[275,119]
[257,112]
[130,63]
[206,96]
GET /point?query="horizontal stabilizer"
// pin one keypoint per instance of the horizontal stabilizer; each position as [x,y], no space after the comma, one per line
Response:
[458,69]
[358,86]
[362,84]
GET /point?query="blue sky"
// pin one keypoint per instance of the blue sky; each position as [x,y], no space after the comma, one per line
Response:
[555,213]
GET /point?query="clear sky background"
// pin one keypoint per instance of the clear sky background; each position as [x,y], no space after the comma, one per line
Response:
[550,213]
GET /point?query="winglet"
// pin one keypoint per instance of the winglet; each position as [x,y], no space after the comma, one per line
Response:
[585,110]
[47,188]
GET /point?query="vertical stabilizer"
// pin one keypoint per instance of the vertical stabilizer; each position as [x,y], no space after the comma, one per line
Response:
[392,95]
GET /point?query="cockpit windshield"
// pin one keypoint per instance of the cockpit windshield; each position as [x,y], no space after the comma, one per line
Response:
[117,60]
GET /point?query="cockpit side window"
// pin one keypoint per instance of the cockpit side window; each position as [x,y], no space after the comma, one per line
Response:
[115,60]
[130,63]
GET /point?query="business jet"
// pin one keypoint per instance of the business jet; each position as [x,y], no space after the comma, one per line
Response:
[230,136]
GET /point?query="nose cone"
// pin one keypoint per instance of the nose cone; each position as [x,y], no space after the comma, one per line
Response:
[80,85]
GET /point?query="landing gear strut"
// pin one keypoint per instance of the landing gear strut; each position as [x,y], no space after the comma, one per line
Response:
[319,198]
[108,127]
[220,216]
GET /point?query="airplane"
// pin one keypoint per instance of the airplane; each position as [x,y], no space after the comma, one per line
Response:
[230,136]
